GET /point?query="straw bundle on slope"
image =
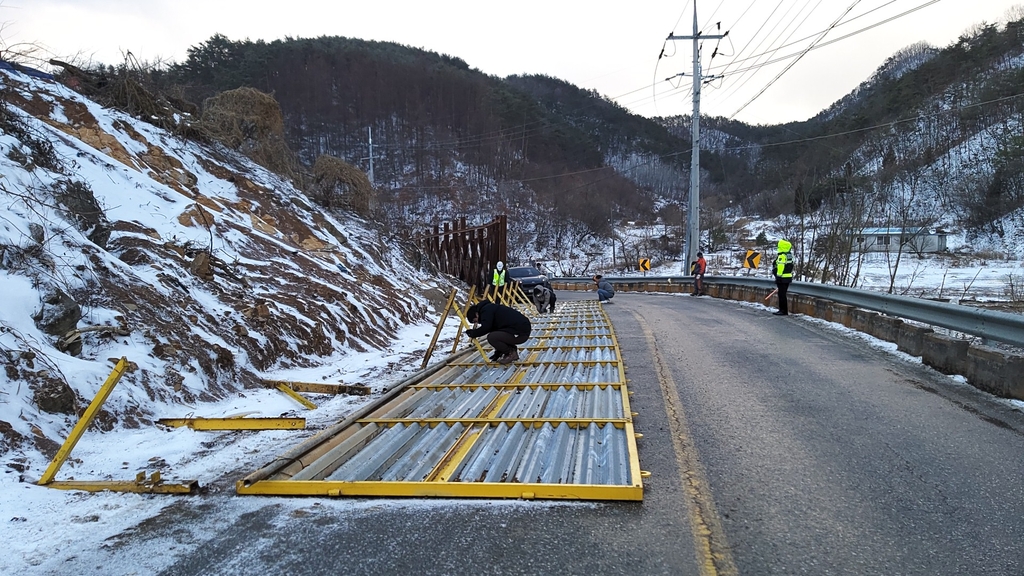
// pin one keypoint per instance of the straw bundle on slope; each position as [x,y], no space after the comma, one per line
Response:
[338,184]
[250,121]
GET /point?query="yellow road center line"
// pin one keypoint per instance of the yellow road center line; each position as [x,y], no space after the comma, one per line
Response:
[713,554]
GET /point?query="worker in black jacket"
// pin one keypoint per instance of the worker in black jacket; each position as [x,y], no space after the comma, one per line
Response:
[505,328]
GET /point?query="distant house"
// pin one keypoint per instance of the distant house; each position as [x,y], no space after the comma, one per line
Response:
[917,240]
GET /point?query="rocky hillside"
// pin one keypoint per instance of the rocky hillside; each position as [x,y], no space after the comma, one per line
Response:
[206,271]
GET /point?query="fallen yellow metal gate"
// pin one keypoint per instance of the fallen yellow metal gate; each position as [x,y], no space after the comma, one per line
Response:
[556,424]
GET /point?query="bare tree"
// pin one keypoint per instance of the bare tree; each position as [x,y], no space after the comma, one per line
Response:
[903,213]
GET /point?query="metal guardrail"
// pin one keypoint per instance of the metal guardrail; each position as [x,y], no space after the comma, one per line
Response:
[987,324]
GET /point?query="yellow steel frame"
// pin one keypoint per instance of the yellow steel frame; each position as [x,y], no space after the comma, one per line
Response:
[438,482]
[295,396]
[141,485]
[465,309]
[465,323]
[84,421]
[154,486]
[528,422]
[235,423]
[561,363]
[542,385]
[450,461]
[437,331]
[526,491]
[321,388]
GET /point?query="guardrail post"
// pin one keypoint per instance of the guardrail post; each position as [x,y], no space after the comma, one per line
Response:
[944,354]
[996,372]
[842,314]
[886,328]
[910,339]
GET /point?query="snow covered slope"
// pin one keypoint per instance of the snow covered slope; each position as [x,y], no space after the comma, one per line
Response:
[207,272]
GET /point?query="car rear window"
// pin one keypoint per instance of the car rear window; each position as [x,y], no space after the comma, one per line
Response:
[524,271]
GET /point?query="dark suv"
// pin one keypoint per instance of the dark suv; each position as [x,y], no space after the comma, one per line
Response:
[528,277]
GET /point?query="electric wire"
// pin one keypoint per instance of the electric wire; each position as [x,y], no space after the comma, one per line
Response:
[771,46]
[798,58]
[839,38]
[521,131]
[652,159]
[889,124]
[845,22]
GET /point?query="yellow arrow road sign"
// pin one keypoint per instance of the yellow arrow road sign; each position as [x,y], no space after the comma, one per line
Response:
[752,260]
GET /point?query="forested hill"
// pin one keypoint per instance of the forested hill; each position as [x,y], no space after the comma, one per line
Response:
[940,125]
[441,130]
[933,137]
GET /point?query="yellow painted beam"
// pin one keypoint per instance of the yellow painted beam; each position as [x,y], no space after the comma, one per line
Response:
[322,388]
[520,385]
[450,461]
[440,325]
[479,348]
[453,457]
[84,421]
[235,423]
[542,346]
[469,302]
[187,487]
[544,362]
[530,422]
[527,491]
[631,436]
[295,396]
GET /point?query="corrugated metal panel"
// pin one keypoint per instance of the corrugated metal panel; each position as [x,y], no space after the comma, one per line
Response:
[554,425]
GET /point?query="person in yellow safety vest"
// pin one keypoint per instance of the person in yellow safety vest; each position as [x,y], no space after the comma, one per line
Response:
[783,272]
[498,278]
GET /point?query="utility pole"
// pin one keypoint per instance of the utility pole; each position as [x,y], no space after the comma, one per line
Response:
[369,132]
[693,234]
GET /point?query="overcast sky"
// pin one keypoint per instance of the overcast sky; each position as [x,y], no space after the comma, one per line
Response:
[611,47]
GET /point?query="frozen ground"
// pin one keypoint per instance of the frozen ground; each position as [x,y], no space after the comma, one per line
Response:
[49,531]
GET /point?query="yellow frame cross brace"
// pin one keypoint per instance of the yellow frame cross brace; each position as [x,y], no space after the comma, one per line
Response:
[154,485]
[236,423]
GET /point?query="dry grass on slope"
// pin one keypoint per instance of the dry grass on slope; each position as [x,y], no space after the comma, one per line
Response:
[251,122]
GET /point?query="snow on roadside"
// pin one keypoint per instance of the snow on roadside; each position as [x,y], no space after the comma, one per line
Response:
[44,528]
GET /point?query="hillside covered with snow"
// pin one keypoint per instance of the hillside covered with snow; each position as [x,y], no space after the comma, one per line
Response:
[209,273]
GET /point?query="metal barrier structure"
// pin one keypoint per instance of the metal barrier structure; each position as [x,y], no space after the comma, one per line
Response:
[986,324]
[154,484]
[555,425]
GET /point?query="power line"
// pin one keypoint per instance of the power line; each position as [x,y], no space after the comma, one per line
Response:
[832,41]
[793,63]
[800,40]
[877,126]
[777,40]
[660,157]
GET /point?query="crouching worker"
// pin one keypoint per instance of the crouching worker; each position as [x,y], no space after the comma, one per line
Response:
[505,328]
[605,292]
[544,298]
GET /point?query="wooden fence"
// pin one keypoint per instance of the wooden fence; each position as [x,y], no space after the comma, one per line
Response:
[467,253]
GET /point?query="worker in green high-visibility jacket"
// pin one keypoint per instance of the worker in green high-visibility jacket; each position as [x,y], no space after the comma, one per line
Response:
[783,272]
[498,277]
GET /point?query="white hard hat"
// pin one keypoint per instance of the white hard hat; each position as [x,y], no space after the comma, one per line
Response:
[501,265]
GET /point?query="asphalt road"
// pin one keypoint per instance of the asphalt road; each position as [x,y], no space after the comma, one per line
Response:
[776,446]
